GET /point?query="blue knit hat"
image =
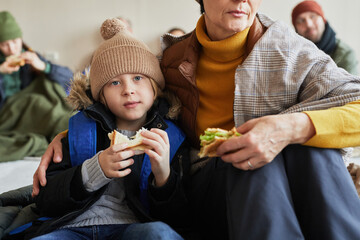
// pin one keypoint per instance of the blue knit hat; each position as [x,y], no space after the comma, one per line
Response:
[9,29]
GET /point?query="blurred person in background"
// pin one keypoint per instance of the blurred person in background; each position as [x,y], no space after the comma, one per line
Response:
[15,77]
[309,21]
[176,31]
[127,23]
[32,91]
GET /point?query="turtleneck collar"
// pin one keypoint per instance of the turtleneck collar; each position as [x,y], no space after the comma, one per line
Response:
[225,50]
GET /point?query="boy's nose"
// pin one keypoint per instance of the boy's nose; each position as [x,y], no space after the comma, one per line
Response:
[128,89]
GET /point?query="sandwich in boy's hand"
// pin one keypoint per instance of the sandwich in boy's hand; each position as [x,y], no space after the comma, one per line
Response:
[15,60]
[134,143]
[212,138]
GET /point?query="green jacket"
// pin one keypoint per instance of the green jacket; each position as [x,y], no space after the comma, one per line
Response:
[345,57]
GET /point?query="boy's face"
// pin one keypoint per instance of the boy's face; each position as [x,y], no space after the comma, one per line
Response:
[129,97]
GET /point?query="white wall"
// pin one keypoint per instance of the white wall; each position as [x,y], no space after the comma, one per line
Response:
[70,28]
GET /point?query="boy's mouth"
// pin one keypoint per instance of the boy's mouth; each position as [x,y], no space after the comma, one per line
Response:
[131,104]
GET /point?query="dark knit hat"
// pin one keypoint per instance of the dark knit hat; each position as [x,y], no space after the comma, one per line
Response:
[9,29]
[121,53]
[306,6]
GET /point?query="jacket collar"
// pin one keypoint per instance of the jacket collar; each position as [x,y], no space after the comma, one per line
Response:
[107,120]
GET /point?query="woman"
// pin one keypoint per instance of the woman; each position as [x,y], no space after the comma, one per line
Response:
[293,191]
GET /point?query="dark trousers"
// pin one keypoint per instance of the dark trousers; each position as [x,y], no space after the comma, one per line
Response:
[304,193]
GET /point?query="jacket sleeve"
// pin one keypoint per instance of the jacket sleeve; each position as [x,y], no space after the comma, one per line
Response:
[329,95]
[59,74]
[343,129]
[64,190]
[169,203]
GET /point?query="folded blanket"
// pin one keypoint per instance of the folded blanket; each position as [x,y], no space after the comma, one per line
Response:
[31,118]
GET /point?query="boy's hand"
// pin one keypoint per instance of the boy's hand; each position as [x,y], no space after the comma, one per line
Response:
[114,161]
[159,155]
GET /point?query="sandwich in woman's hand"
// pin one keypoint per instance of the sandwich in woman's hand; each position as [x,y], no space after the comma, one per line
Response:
[15,60]
[134,143]
[212,138]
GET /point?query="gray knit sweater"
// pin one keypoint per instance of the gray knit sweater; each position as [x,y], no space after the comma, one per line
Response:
[111,208]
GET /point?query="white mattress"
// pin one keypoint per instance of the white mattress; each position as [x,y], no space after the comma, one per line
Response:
[15,174]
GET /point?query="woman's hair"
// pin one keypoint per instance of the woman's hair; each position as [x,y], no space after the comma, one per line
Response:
[173,100]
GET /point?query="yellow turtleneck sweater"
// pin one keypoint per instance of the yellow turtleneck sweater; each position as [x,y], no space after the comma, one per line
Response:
[215,80]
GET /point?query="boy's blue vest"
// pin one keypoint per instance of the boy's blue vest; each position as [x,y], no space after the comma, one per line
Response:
[82,145]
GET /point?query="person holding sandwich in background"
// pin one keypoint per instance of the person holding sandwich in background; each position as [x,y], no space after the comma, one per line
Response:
[284,176]
[32,92]
[19,64]
[106,189]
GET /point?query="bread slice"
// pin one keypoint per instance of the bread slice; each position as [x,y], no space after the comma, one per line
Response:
[15,60]
[134,143]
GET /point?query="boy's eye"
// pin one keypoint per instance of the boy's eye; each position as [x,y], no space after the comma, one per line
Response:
[115,83]
[137,78]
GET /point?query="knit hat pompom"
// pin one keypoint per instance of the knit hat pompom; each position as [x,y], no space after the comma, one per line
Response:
[111,27]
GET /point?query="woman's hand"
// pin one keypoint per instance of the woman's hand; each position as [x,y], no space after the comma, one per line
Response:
[52,153]
[159,155]
[33,59]
[264,138]
[114,161]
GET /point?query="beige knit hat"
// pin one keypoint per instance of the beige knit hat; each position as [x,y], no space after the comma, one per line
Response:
[121,53]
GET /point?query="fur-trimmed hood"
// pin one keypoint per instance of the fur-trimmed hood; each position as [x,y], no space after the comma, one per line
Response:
[80,95]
